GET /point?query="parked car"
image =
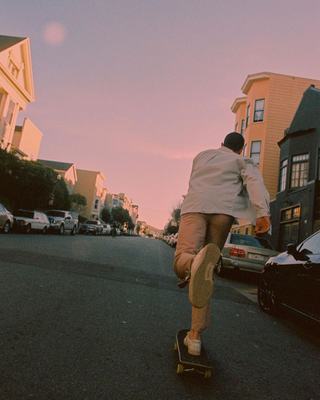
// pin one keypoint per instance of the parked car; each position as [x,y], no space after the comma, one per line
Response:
[292,280]
[91,226]
[106,228]
[6,219]
[245,252]
[62,221]
[27,221]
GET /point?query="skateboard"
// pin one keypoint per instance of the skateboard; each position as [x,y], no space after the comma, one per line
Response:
[187,362]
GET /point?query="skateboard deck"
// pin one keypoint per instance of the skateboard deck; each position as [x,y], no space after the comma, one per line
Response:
[187,362]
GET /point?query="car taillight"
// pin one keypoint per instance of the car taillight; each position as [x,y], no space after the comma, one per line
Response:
[235,252]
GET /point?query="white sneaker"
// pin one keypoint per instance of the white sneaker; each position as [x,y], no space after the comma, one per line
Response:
[201,281]
[194,345]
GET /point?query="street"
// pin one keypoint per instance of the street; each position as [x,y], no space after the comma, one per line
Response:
[84,317]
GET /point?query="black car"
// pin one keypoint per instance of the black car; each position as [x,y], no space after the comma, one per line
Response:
[292,280]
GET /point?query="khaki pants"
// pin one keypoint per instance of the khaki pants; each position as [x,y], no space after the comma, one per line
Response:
[195,231]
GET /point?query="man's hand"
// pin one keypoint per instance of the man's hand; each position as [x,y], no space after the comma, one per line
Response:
[262,225]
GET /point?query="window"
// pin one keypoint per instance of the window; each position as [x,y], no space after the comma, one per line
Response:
[283,175]
[255,150]
[243,126]
[290,214]
[299,170]
[10,112]
[311,245]
[248,115]
[258,110]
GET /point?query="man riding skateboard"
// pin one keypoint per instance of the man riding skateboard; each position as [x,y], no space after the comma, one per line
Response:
[223,186]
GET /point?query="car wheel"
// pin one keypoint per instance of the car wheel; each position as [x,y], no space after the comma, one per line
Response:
[73,232]
[45,230]
[219,268]
[267,297]
[7,227]
[61,230]
[28,228]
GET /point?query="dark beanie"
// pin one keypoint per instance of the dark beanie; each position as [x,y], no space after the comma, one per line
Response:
[234,141]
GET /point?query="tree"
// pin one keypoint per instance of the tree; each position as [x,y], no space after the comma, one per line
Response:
[121,216]
[78,202]
[106,215]
[28,184]
[61,197]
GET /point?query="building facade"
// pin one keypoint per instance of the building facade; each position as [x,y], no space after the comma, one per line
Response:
[16,84]
[26,140]
[90,184]
[122,200]
[296,209]
[66,170]
[262,116]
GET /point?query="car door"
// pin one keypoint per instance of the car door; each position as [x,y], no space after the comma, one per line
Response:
[309,275]
[38,222]
[285,282]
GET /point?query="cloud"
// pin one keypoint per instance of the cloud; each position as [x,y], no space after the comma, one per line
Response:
[54,33]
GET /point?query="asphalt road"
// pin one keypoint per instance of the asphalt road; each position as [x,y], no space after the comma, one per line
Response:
[95,318]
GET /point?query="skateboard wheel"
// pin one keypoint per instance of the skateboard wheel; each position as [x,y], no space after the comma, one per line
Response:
[180,369]
[207,373]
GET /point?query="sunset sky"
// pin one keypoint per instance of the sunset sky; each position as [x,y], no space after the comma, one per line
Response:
[137,88]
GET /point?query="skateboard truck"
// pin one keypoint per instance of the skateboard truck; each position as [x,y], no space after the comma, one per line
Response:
[184,282]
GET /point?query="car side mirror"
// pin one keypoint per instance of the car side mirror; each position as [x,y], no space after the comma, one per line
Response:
[292,249]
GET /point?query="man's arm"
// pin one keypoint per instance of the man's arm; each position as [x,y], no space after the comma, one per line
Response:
[258,195]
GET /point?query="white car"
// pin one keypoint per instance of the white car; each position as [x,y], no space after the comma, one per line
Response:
[106,228]
[27,221]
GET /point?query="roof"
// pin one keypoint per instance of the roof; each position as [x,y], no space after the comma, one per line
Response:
[9,41]
[307,115]
[254,77]
[267,75]
[57,165]
[237,102]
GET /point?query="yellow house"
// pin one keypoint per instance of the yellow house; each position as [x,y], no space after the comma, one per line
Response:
[264,113]
[16,84]
[91,185]
[66,170]
[26,140]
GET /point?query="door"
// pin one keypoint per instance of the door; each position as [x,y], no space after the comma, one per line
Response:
[289,233]
[310,276]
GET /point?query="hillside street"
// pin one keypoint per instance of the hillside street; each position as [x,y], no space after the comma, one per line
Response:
[85,317]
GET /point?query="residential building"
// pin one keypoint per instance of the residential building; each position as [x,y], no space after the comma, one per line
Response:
[135,213]
[296,209]
[26,140]
[90,184]
[66,170]
[122,200]
[16,84]
[263,114]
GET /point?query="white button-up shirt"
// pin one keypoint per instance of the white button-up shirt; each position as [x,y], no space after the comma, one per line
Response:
[224,182]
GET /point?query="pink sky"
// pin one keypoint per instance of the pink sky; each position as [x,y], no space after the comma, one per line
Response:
[136,88]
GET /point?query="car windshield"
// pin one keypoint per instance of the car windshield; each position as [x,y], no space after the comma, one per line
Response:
[53,213]
[92,222]
[245,240]
[25,213]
